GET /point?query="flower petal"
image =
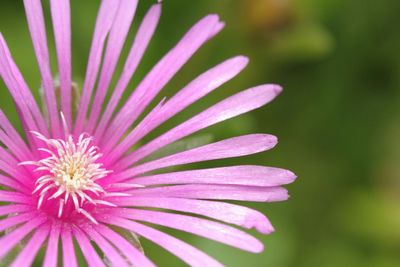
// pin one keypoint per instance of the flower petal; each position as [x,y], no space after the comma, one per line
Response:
[228,148]
[13,208]
[132,253]
[104,21]
[142,39]
[34,15]
[235,175]
[28,253]
[220,192]
[12,147]
[116,39]
[18,145]
[109,251]
[195,90]
[14,197]
[212,230]
[51,256]
[68,250]
[12,77]
[235,105]
[61,16]
[182,250]
[88,251]
[159,76]
[9,165]
[8,241]
[226,212]
[14,184]
[15,220]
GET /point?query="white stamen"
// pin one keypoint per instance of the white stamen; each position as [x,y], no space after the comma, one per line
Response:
[60,208]
[40,201]
[87,215]
[64,122]
[72,169]
[103,202]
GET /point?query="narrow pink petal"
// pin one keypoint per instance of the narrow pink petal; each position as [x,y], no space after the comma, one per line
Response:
[9,165]
[195,90]
[15,220]
[88,251]
[28,253]
[10,168]
[105,19]
[235,175]
[14,197]
[5,155]
[16,150]
[159,76]
[109,251]
[142,39]
[222,192]
[12,77]
[198,226]
[10,131]
[14,184]
[68,250]
[235,105]
[116,39]
[61,16]
[50,259]
[32,142]
[135,256]
[13,208]
[13,171]
[8,241]
[228,148]
[34,15]
[184,251]
[226,212]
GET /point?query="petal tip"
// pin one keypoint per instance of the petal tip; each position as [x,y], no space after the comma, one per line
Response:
[265,228]
[243,60]
[291,176]
[282,195]
[212,17]
[277,88]
[217,28]
[258,248]
[157,6]
[271,140]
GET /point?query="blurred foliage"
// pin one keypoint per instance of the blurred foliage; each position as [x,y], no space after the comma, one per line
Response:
[337,119]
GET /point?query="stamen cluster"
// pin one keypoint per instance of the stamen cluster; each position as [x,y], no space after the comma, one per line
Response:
[70,172]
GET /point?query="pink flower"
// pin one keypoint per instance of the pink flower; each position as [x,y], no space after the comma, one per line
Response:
[76,175]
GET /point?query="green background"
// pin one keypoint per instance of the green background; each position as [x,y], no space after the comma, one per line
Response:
[337,119]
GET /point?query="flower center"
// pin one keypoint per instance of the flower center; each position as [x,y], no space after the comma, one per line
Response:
[74,167]
[70,172]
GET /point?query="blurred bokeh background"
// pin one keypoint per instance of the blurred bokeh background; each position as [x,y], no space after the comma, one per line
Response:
[337,119]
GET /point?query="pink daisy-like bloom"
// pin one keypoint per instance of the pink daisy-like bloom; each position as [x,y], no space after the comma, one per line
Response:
[75,175]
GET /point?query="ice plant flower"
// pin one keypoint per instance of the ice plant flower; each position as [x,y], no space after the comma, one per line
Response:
[85,175]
